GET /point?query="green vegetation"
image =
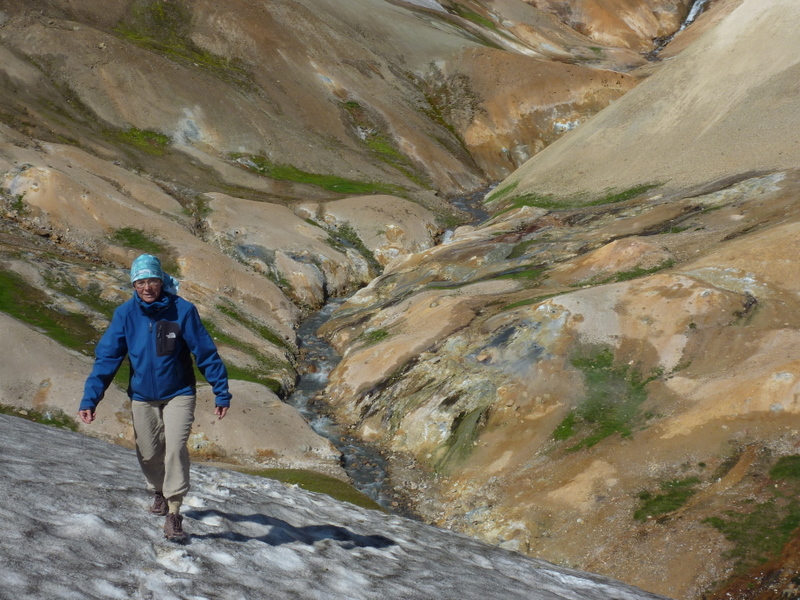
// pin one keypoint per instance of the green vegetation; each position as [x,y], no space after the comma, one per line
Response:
[254,376]
[469,15]
[528,302]
[613,397]
[164,27]
[629,194]
[91,297]
[54,418]
[502,192]
[147,141]
[376,138]
[374,336]
[267,363]
[31,305]
[674,494]
[787,467]
[262,166]
[319,483]
[634,273]
[550,202]
[440,93]
[344,236]
[641,271]
[760,531]
[262,330]
[537,200]
[138,239]
[677,229]
[533,273]
[123,375]
[230,341]
[522,247]
[463,433]
[18,205]
[482,22]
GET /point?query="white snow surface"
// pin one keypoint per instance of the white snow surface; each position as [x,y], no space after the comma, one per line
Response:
[433,4]
[76,526]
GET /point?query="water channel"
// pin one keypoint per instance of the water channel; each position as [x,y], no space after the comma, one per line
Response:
[362,462]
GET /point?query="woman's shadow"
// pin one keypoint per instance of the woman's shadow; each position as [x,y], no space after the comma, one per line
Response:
[280,532]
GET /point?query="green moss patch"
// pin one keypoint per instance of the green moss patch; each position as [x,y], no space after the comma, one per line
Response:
[375,135]
[528,302]
[613,397]
[674,494]
[53,418]
[262,166]
[642,271]
[787,467]
[759,531]
[91,297]
[628,275]
[267,364]
[262,330]
[138,239]
[500,193]
[464,432]
[374,336]
[165,27]
[550,202]
[319,483]
[151,142]
[31,305]
[345,236]
[530,273]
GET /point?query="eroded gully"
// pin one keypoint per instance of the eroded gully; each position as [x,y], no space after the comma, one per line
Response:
[363,462]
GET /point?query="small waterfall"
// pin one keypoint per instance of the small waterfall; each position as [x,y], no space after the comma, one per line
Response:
[695,11]
[697,8]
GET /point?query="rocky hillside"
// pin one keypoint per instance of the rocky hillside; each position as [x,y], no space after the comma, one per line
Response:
[602,374]
[273,154]
[611,357]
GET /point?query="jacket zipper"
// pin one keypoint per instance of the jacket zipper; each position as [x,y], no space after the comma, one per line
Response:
[152,385]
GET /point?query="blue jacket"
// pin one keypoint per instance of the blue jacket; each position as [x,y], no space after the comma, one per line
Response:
[159,339]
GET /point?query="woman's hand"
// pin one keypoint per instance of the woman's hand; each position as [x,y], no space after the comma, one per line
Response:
[87,415]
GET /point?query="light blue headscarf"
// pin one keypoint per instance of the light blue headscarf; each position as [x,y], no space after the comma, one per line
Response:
[147,266]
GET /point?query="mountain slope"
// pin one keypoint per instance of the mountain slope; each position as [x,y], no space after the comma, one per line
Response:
[724,108]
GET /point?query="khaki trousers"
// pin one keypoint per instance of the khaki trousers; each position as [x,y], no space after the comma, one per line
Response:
[162,430]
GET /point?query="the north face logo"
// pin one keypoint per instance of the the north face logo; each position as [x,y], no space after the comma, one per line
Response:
[172,335]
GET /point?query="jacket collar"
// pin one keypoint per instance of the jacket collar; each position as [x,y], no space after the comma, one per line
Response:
[153,307]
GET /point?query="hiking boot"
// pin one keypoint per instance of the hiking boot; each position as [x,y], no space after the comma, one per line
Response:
[173,528]
[159,505]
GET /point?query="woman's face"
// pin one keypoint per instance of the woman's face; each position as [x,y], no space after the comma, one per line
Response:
[148,289]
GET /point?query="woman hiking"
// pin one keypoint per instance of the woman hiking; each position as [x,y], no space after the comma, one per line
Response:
[159,332]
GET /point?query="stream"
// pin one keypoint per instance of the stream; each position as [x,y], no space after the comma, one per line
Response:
[362,462]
